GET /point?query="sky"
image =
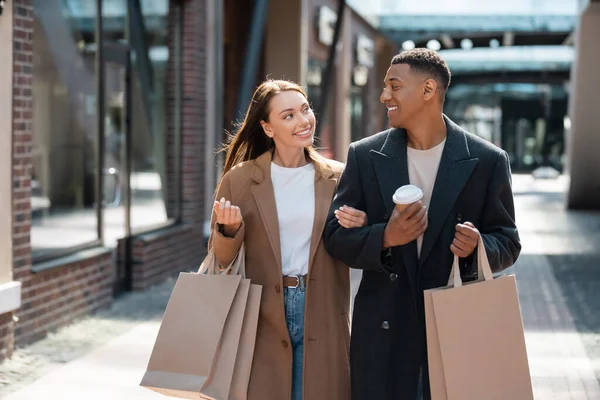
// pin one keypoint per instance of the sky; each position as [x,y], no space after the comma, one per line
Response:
[466,7]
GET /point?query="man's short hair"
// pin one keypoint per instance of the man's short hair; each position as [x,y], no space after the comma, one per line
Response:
[427,62]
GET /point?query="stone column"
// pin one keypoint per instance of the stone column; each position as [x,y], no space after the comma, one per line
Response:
[343,80]
[584,110]
[286,41]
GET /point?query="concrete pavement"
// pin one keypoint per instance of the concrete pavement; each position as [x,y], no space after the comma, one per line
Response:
[112,371]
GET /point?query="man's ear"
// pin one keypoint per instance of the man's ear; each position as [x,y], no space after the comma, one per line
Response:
[430,89]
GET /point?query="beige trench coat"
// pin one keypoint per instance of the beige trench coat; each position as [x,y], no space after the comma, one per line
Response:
[326,374]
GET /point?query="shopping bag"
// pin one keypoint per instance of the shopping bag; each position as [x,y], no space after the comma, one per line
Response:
[245,354]
[195,355]
[475,339]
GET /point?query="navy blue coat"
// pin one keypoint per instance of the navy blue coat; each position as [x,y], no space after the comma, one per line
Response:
[388,344]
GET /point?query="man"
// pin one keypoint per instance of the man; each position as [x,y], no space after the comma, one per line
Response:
[467,193]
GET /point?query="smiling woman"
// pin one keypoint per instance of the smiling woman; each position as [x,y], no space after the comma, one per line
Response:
[274,197]
[291,125]
[279,118]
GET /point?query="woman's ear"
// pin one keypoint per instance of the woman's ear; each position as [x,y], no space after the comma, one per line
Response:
[267,128]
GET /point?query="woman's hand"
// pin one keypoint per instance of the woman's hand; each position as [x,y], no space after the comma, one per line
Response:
[349,217]
[228,215]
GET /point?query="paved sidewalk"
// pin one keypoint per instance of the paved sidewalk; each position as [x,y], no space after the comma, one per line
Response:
[558,276]
[57,352]
[112,371]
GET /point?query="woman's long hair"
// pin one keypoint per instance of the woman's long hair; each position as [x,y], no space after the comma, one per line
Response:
[250,140]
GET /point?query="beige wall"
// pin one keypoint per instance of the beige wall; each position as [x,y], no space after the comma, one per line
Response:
[286,47]
[341,100]
[584,138]
[6,143]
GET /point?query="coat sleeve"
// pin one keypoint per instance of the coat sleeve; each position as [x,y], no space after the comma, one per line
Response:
[498,228]
[225,248]
[359,248]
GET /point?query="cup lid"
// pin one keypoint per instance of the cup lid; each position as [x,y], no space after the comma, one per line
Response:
[407,194]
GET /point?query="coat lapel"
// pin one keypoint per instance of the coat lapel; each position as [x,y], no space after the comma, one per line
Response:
[264,196]
[325,184]
[456,167]
[391,168]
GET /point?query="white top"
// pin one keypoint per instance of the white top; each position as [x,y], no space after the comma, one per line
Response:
[295,198]
[422,170]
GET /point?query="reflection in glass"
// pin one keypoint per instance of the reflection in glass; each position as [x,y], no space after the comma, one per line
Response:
[149,33]
[525,119]
[64,129]
[114,227]
[324,141]
[357,128]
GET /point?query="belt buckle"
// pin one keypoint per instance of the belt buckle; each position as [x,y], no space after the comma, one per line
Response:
[297,281]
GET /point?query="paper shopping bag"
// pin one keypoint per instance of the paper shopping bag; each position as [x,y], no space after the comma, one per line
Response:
[475,339]
[210,318]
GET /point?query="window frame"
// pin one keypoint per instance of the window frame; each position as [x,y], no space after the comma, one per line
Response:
[42,256]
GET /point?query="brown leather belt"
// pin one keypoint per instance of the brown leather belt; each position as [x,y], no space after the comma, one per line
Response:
[294,281]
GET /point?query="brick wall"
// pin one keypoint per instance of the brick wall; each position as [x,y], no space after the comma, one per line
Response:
[7,328]
[54,298]
[22,135]
[6,84]
[194,110]
[166,253]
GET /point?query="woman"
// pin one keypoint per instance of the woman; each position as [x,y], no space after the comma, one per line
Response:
[274,196]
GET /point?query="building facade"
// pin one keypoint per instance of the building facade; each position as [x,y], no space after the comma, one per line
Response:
[111,115]
[102,172]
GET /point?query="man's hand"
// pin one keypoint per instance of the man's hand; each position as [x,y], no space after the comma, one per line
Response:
[465,240]
[405,226]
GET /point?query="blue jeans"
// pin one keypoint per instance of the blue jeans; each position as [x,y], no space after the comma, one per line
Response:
[294,317]
[420,387]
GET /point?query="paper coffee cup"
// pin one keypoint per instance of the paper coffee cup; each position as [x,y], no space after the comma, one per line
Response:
[406,195]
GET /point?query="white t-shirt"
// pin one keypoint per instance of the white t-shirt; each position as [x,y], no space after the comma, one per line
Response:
[295,198]
[422,170]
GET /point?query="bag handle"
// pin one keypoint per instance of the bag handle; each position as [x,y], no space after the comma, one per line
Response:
[483,267]
[210,265]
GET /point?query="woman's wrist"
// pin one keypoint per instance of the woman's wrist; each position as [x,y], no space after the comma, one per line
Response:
[229,230]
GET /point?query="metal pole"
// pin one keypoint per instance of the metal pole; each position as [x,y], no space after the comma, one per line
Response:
[127,111]
[325,83]
[219,82]
[253,50]
[178,57]
[100,120]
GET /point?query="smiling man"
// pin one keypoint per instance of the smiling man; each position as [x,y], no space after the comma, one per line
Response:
[467,193]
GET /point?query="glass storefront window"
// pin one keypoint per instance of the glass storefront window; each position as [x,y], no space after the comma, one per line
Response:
[64,128]
[149,115]
[525,119]
[325,140]
[135,123]
[357,125]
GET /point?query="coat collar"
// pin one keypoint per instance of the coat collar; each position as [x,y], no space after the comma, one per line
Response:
[456,166]
[262,168]
[264,195]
